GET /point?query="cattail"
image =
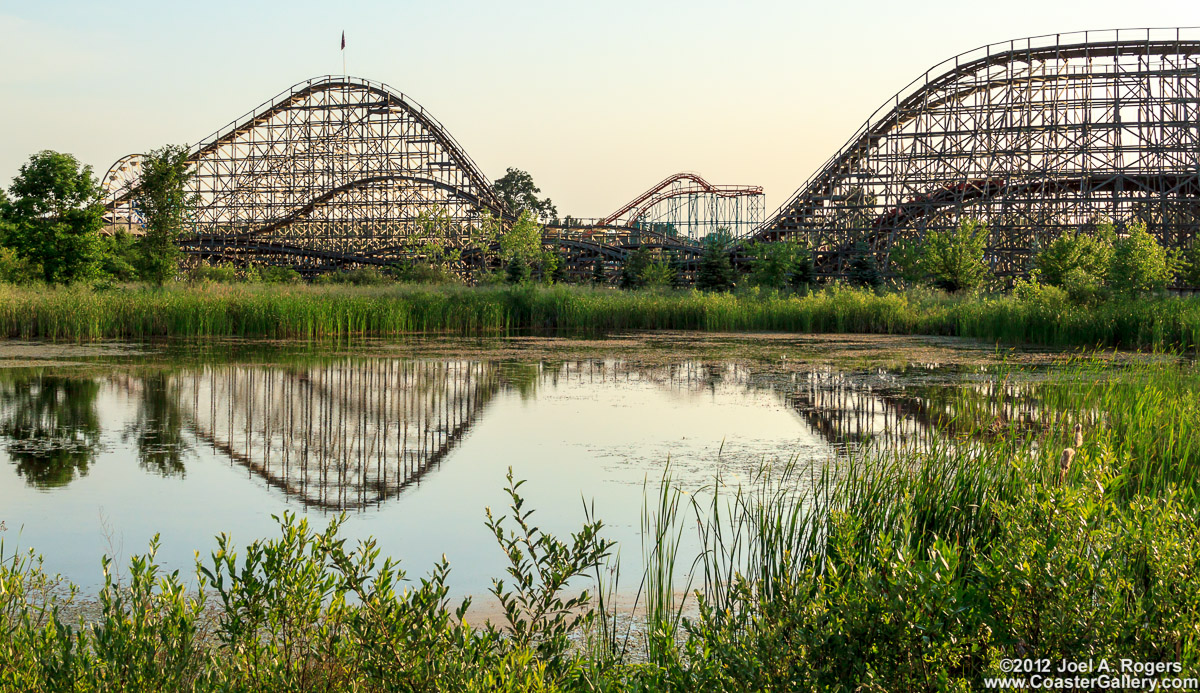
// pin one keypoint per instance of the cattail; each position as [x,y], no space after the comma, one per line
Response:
[1078,435]
[1064,465]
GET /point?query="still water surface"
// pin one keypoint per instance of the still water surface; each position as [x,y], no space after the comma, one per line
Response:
[411,449]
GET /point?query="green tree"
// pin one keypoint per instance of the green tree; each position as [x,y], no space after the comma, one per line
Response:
[599,274]
[162,197]
[715,272]
[521,247]
[55,217]
[1190,264]
[954,260]
[658,272]
[780,264]
[519,194]
[633,270]
[804,273]
[516,270]
[523,239]
[558,269]
[119,256]
[1076,252]
[905,258]
[864,270]
[770,264]
[1139,263]
[678,279]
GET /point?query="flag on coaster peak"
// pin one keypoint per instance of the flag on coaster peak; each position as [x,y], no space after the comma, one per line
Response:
[343,40]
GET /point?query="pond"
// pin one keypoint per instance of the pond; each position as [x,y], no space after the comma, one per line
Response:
[101,449]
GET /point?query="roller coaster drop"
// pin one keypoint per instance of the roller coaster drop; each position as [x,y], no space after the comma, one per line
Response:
[1034,137]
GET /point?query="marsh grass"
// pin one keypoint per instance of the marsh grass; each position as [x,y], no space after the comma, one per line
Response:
[345,312]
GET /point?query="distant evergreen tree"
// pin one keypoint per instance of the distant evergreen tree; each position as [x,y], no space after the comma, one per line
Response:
[517,271]
[716,271]
[558,274]
[633,271]
[803,274]
[677,271]
[864,270]
[599,276]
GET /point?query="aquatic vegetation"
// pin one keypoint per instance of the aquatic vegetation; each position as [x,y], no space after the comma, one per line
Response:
[344,312]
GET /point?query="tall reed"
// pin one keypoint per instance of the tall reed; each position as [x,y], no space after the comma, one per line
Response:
[342,312]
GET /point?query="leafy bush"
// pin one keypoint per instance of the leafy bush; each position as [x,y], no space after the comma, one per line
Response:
[1189,270]
[715,272]
[1139,263]
[780,264]
[1077,256]
[1082,287]
[119,256]
[361,276]
[220,273]
[15,269]
[954,260]
[279,275]
[658,272]
[1033,291]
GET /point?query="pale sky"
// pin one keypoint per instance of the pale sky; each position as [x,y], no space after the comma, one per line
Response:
[597,100]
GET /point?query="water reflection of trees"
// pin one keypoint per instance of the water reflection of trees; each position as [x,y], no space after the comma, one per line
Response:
[50,426]
[158,427]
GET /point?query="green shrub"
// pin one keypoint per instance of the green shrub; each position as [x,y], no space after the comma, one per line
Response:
[1083,287]
[715,272]
[271,274]
[15,269]
[119,256]
[1189,269]
[361,276]
[954,260]
[658,272]
[220,273]
[1075,255]
[1139,263]
[1033,291]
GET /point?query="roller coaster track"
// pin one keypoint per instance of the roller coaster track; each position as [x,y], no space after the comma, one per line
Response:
[333,171]
[1034,136]
[692,184]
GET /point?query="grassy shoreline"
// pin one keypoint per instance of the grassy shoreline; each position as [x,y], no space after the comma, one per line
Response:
[332,313]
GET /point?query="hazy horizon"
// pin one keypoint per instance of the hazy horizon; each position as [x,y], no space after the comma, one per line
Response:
[597,103]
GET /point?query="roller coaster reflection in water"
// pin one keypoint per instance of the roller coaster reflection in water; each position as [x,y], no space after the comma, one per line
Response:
[352,434]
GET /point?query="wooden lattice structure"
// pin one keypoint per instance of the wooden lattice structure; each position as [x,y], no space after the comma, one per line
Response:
[334,172]
[1033,137]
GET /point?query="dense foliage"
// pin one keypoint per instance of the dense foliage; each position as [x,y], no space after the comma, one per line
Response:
[53,221]
[954,260]
[162,198]
[517,191]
